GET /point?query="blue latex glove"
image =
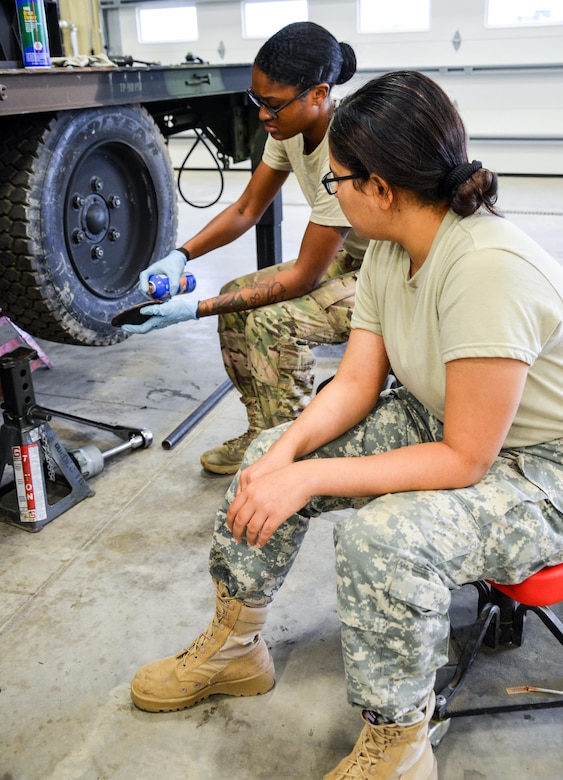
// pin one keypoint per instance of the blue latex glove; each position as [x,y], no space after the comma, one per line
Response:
[161,315]
[171,266]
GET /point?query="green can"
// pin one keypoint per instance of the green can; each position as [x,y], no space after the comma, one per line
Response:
[33,33]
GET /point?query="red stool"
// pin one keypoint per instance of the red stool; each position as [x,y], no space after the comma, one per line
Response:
[502,610]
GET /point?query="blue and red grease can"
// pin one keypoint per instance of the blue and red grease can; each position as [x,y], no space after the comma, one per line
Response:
[159,285]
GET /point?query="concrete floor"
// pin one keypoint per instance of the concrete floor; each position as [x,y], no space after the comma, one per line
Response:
[121,579]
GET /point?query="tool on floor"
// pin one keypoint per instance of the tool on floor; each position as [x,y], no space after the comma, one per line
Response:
[47,479]
[532,689]
[198,414]
[91,460]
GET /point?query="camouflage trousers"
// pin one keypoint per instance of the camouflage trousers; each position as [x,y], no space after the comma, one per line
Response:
[267,351]
[398,556]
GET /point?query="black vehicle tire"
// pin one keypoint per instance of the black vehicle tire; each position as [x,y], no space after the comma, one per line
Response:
[87,200]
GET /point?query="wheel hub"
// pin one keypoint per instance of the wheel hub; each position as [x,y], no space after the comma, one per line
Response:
[94,218]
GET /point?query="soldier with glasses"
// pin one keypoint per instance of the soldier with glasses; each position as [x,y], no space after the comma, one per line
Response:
[270,319]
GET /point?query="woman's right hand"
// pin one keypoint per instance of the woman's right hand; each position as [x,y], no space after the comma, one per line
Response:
[266,502]
[171,266]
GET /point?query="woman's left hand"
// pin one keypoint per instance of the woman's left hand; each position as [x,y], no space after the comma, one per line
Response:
[272,460]
[264,503]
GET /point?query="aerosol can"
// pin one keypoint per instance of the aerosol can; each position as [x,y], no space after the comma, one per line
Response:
[33,33]
[159,285]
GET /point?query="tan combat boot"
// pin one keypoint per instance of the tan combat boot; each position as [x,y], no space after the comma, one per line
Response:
[391,752]
[227,457]
[229,657]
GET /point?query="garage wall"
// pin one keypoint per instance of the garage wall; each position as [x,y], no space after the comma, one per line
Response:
[507,83]
[219,23]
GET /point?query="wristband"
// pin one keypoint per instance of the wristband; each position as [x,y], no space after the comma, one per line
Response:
[185,252]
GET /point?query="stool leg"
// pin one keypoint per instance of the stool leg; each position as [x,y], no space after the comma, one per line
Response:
[484,594]
[503,633]
[545,614]
[489,615]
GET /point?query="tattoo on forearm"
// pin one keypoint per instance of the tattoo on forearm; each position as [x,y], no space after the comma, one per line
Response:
[258,294]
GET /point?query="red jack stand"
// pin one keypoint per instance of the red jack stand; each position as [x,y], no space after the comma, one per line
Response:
[47,479]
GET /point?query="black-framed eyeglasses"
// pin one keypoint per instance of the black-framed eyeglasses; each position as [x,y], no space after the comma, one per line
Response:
[273,112]
[330,182]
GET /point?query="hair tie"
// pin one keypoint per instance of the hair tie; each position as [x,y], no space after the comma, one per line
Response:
[458,175]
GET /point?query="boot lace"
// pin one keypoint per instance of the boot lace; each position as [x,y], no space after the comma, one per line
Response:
[207,637]
[241,442]
[373,746]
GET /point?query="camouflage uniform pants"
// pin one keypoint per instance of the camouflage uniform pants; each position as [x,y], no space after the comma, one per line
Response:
[267,351]
[398,556]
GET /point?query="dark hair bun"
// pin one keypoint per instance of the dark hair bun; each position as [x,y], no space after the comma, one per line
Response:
[303,54]
[349,64]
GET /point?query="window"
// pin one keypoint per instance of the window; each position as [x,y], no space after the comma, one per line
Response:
[167,24]
[525,13]
[263,19]
[382,16]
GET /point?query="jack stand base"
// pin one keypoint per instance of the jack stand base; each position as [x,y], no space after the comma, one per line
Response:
[46,480]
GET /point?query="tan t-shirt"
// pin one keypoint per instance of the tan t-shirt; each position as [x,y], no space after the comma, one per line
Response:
[309,169]
[485,290]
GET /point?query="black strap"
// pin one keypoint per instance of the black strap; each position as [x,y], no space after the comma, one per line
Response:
[458,175]
[185,252]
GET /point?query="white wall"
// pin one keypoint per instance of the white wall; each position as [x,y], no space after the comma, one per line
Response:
[507,83]
[514,117]
[220,22]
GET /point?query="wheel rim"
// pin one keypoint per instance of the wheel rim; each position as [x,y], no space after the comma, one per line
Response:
[106,245]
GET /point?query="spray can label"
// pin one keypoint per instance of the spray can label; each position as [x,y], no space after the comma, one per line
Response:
[28,476]
[33,33]
[159,285]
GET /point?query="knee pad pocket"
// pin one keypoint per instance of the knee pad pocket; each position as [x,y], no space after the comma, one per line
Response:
[419,588]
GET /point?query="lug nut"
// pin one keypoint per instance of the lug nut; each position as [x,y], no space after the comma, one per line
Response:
[78,236]
[97,253]
[114,235]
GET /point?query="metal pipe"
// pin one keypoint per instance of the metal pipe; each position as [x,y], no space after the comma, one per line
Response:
[173,438]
